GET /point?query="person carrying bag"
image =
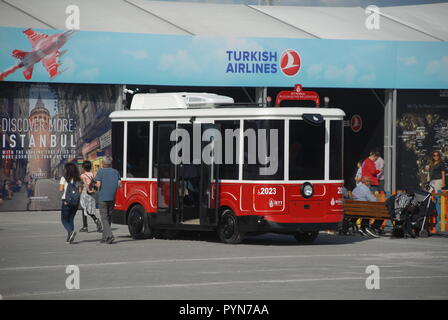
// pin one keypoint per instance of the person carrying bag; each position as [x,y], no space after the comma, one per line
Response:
[88,198]
[71,188]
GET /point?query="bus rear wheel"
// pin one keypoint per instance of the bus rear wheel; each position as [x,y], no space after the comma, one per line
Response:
[228,228]
[136,223]
[306,237]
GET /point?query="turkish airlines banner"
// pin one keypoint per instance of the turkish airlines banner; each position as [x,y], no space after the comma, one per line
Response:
[149,59]
[44,126]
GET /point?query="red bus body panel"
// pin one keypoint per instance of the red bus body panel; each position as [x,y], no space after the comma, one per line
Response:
[276,202]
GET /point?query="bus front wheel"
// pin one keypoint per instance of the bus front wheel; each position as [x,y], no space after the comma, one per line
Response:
[136,222]
[306,237]
[228,228]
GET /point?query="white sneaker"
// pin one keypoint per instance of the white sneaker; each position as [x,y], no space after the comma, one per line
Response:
[371,233]
[72,237]
[362,232]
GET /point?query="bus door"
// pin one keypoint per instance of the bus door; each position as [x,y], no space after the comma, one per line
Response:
[165,173]
[210,173]
[196,188]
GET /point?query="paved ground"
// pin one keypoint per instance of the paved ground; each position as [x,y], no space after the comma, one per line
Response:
[19,201]
[34,257]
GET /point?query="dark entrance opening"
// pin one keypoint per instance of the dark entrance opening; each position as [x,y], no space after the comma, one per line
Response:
[368,104]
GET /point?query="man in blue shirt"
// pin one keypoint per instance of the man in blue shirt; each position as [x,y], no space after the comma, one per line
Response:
[362,193]
[107,181]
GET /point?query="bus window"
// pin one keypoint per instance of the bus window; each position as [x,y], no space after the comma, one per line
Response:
[117,146]
[230,149]
[336,153]
[306,151]
[263,150]
[138,150]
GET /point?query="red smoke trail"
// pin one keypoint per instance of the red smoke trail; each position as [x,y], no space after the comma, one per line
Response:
[7,72]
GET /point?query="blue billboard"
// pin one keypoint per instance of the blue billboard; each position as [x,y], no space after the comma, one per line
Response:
[149,59]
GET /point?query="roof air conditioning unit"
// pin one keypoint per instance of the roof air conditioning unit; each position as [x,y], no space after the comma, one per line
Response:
[177,100]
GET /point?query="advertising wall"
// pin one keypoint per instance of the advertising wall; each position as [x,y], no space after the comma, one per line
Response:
[422,127]
[42,127]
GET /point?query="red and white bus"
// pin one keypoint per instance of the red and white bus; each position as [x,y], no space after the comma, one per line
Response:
[301,194]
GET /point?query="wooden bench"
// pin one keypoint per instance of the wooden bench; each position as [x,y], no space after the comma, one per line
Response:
[365,209]
[361,209]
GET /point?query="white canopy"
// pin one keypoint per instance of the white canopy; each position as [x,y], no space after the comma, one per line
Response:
[425,22]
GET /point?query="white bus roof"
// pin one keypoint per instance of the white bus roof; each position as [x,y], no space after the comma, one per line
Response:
[221,113]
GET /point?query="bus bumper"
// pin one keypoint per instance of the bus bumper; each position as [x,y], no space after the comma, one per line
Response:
[257,224]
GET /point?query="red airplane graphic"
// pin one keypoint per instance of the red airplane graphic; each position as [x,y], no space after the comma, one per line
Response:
[45,48]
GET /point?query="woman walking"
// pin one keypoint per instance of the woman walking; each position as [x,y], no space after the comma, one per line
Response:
[88,201]
[71,188]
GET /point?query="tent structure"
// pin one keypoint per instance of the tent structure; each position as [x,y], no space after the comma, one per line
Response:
[426,22]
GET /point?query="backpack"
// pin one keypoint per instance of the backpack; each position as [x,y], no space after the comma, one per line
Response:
[72,194]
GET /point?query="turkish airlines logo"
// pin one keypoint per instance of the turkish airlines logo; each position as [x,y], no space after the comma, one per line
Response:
[290,63]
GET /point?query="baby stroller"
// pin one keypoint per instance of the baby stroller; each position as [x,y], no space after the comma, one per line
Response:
[411,213]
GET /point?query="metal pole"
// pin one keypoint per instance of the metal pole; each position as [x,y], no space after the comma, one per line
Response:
[261,94]
[389,141]
[119,105]
[394,140]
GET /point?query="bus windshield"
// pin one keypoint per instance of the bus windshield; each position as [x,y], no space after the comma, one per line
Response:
[270,135]
[306,151]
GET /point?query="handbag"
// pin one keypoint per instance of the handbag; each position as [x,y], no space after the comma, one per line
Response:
[92,186]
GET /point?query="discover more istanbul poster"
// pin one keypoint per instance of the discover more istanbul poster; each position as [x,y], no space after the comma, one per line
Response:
[44,126]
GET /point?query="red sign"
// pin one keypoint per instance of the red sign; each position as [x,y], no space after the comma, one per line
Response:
[297,94]
[356,123]
[290,62]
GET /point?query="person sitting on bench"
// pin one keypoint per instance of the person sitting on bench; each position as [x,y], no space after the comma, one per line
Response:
[362,193]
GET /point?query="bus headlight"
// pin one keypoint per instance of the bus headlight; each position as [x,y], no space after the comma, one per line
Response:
[307,190]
